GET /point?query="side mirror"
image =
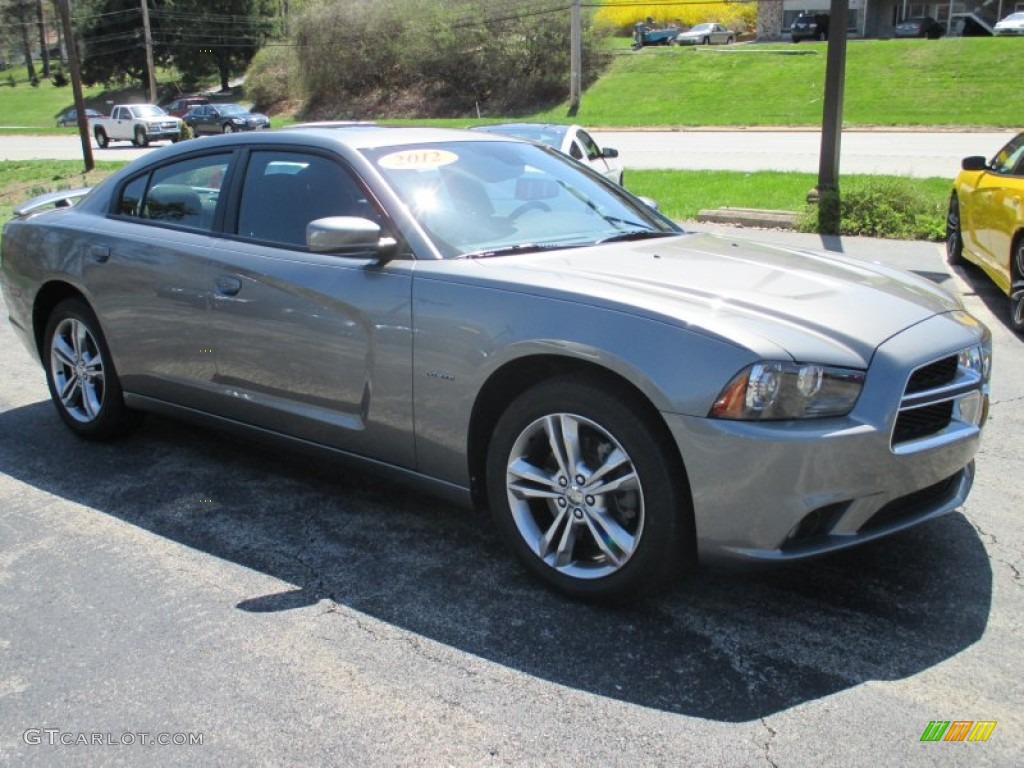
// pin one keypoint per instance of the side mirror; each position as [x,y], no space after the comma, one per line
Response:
[974,163]
[609,152]
[346,235]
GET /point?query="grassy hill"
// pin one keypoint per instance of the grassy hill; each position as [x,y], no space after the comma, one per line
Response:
[948,82]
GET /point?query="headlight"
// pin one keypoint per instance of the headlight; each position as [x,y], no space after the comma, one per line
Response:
[777,390]
[978,359]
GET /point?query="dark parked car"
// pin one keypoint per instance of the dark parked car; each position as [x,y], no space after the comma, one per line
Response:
[923,26]
[70,117]
[809,26]
[179,107]
[224,118]
[485,317]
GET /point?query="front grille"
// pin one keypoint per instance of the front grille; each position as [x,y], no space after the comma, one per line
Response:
[927,405]
[933,375]
[916,423]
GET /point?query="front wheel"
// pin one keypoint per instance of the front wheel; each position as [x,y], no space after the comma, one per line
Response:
[229,128]
[141,139]
[729,41]
[707,41]
[80,374]
[101,138]
[1017,286]
[954,234]
[586,490]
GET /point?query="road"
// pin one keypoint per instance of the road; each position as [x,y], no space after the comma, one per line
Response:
[914,153]
[288,611]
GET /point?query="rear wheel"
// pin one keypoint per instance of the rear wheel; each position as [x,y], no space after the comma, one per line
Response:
[954,235]
[80,374]
[101,138]
[707,41]
[1017,285]
[586,491]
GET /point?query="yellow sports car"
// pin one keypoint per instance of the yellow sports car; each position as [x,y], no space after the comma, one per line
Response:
[985,224]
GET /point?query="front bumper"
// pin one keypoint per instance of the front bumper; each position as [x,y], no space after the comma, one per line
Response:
[777,491]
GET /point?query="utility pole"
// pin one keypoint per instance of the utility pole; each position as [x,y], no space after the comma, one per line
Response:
[827,190]
[149,51]
[575,59]
[76,84]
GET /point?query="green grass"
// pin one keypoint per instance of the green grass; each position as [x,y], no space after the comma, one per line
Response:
[21,180]
[682,194]
[947,82]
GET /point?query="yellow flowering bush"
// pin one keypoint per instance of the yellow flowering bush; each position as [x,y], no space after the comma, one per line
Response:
[621,15]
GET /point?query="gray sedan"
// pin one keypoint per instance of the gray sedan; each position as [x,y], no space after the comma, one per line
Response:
[499,324]
[708,33]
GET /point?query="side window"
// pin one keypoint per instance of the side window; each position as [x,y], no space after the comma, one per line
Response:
[575,151]
[130,202]
[1010,157]
[284,191]
[589,145]
[183,194]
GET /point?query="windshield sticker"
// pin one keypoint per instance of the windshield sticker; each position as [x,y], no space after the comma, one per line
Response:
[418,159]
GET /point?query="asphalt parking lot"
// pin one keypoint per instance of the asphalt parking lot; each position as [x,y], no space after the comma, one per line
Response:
[282,609]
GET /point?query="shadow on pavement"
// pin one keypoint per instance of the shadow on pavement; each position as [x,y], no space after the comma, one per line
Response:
[724,646]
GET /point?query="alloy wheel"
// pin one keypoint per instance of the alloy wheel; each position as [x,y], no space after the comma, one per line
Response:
[77,367]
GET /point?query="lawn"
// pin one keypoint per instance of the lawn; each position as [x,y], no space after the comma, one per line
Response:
[947,82]
[21,180]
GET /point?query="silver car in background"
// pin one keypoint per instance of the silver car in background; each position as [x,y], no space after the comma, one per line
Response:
[571,140]
[487,318]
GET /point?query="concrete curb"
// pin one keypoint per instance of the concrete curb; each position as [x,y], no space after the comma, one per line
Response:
[749,217]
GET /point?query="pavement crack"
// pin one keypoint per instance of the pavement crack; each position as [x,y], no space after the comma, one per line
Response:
[1015,574]
[768,743]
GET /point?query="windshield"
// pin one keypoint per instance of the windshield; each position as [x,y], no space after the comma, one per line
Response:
[232,109]
[1015,17]
[552,136]
[702,28]
[479,198]
[147,110]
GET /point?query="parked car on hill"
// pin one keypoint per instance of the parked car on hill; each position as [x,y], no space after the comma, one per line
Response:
[70,117]
[179,107]
[709,33]
[1011,26]
[571,140]
[809,26]
[650,33]
[922,26]
[482,316]
[985,223]
[224,118]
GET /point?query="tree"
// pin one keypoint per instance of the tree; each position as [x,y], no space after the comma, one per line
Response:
[112,45]
[19,15]
[202,38]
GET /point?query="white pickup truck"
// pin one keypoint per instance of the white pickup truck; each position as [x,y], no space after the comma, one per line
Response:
[137,123]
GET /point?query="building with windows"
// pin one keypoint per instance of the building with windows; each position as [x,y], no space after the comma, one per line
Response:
[878,18]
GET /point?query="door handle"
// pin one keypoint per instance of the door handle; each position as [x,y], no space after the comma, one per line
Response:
[228,286]
[99,253]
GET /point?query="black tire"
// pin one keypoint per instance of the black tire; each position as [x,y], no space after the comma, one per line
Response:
[729,41]
[954,233]
[228,128]
[80,374]
[1017,284]
[707,41]
[549,517]
[101,138]
[821,37]
[141,139]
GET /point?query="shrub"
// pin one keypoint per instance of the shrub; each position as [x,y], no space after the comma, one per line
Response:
[890,207]
[421,58]
[272,79]
[621,17]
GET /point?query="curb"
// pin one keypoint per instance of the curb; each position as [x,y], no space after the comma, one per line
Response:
[749,217]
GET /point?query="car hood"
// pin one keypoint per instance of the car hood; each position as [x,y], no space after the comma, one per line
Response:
[770,299]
